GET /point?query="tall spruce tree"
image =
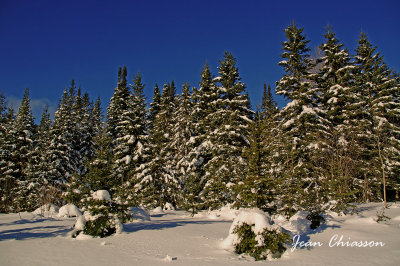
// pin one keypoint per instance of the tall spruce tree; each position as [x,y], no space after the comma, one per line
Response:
[161,179]
[300,126]
[182,132]
[378,125]
[118,104]
[227,133]
[8,168]
[39,187]
[23,134]
[335,81]
[61,155]
[203,102]
[140,147]
[258,188]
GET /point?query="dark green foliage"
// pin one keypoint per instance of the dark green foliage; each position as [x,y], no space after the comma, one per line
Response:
[274,242]
[101,227]
[227,133]
[258,188]
[316,220]
[105,220]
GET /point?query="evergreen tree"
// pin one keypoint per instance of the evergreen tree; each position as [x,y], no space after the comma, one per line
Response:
[335,82]
[140,147]
[161,178]
[40,190]
[61,158]
[228,131]
[118,104]
[181,135]
[96,118]
[300,126]
[8,168]
[23,135]
[268,104]
[258,188]
[378,125]
[202,101]
[154,106]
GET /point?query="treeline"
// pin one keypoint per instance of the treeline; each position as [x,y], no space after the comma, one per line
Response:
[336,141]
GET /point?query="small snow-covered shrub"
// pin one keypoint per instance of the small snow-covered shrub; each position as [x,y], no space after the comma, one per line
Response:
[102,226]
[270,243]
[252,233]
[102,216]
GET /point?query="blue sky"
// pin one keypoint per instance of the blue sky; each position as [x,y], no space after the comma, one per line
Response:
[44,43]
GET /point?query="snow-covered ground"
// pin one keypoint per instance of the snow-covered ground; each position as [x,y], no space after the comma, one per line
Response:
[174,237]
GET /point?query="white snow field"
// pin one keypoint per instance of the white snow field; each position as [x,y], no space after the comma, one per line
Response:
[176,238]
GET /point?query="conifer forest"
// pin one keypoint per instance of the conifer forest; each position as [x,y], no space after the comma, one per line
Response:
[336,142]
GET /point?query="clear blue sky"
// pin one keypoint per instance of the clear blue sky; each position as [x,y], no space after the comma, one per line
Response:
[46,43]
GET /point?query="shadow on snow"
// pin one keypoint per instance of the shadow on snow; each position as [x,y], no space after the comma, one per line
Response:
[164,224]
[34,232]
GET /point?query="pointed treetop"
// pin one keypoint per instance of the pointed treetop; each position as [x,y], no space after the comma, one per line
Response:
[24,113]
[228,71]
[138,86]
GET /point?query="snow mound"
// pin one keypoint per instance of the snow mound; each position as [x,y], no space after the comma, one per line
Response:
[47,210]
[119,228]
[299,223]
[69,210]
[169,258]
[101,195]
[139,214]
[361,220]
[168,207]
[82,236]
[256,218]
[80,223]
[225,213]
[157,210]
[397,218]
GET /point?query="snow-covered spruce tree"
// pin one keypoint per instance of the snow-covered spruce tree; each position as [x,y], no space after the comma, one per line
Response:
[146,188]
[165,120]
[120,125]
[83,142]
[154,107]
[203,100]
[23,133]
[160,185]
[258,187]
[102,215]
[91,191]
[8,168]
[96,119]
[118,104]
[79,135]
[4,155]
[229,125]
[378,126]
[140,154]
[99,175]
[300,126]
[40,190]
[182,132]
[61,157]
[269,107]
[335,81]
